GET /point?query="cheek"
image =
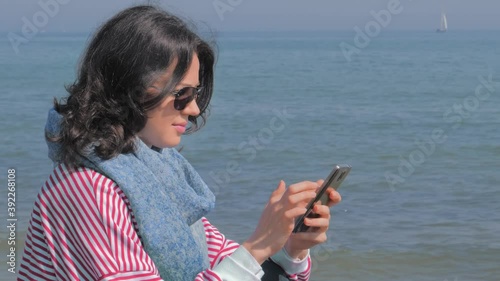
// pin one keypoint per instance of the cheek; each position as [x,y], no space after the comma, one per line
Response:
[159,130]
[162,126]
[163,132]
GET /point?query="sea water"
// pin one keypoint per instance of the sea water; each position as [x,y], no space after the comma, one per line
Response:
[422,201]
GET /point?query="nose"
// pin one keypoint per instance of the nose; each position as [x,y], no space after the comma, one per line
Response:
[192,109]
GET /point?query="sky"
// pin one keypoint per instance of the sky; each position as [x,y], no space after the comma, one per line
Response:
[257,15]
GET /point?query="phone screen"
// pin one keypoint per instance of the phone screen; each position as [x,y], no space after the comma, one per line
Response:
[334,180]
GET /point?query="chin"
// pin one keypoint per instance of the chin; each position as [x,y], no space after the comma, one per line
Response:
[171,142]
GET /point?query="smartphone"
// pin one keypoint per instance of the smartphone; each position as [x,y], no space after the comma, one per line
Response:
[334,180]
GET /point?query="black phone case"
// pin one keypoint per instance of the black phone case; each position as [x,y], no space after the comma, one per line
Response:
[335,179]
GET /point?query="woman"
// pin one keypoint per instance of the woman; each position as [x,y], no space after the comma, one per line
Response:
[122,203]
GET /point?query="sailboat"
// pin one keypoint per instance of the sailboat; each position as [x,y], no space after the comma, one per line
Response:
[444,24]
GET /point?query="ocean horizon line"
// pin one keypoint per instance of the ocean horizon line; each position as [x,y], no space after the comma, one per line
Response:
[243,31]
[18,37]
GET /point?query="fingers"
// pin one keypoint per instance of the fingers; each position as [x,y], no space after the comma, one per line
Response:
[304,197]
[295,212]
[302,186]
[297,194]
[323,221]
[300,194]
[334,197]
[320,223]
[320,183]
[311,238]
[322,210]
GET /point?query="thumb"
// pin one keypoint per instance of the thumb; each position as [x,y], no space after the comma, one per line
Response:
[320,183]
[282,184]
[278,192]
[281,187]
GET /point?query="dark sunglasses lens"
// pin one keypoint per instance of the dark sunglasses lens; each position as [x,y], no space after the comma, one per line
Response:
[183,97]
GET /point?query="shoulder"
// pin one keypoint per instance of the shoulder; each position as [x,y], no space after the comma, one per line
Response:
[82,195]
[82,185]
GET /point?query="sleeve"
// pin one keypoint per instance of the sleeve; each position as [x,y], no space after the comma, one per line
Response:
[296,269]
[233,262]
[228,259]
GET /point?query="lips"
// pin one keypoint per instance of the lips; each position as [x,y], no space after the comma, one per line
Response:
[184,124]
[180,127]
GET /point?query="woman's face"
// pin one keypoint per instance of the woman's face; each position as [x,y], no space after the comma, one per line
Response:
[165,124]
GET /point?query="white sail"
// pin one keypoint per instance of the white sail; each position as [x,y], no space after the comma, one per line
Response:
[444,22]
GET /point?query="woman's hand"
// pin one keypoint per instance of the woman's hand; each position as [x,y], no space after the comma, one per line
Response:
[277,220]
[298,243]
[333,196]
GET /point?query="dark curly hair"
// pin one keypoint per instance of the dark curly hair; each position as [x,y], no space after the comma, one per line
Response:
[107,103]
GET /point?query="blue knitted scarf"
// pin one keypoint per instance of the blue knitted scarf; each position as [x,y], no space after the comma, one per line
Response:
[168,199]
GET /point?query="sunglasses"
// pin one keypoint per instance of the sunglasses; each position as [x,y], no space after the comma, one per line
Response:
[185,95]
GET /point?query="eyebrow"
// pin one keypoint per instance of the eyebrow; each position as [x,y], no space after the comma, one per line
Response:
[189,85]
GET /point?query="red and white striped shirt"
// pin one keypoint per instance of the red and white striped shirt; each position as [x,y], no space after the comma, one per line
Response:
[83,228]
